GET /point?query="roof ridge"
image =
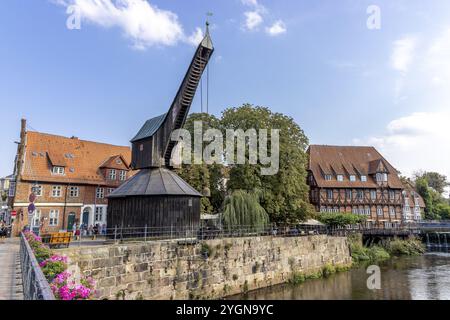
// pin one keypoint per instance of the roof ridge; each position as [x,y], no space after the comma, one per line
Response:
[76,139]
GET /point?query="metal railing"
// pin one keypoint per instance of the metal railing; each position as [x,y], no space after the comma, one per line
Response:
[35,285]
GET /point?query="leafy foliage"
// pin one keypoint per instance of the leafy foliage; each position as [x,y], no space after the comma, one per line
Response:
[242,208]
[285,194]
[434,180]
[337,220]
[409,247]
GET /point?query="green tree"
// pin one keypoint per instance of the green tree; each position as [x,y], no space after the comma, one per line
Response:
[337,220]
[443,211]
[285,194]
[435,180]
[243,209]
[425,192]
[207,179]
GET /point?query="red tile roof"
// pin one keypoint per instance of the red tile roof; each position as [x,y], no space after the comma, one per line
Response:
[82,159]
[349,160]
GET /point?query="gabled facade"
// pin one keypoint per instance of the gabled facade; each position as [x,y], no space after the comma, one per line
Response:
[69,178]
[357,180]
[413,204]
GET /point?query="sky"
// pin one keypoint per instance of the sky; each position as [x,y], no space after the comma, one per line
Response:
[345,78]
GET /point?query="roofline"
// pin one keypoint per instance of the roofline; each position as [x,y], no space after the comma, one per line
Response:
[89,141]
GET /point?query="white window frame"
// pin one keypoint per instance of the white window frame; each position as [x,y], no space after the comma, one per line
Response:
[367,210]
[359,194]
[100,193]
[391,194]
[37,187]
[74,192]
[340,177]
[56,191]
[98,213]
[364,178]
[36,218]
[328,177]
[392,211]
[123,175]
[330,192]
[112,174]
[110,190]
[380,211]
[372,193]
[53,218]
[58,170]
[352,178]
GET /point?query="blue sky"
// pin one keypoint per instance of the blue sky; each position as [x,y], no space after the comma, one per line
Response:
[314,60]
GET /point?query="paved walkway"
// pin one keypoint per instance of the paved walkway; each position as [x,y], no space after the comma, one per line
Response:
[10,276]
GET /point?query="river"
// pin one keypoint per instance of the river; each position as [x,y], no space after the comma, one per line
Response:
[425,277]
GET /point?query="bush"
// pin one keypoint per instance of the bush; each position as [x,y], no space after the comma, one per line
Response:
[328,270]
[297,278]
[410,247]
[366,254]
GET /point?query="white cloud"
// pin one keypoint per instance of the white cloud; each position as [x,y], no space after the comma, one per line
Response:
[419,141]
[403,53]
[252,20]
[196,37]
[276,29]
[145,24]
[437,62]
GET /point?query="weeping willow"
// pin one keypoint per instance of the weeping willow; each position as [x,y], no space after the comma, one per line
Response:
[242,209]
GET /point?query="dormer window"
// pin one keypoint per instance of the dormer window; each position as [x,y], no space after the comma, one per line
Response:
[352,178]
[112,174]
[364,178]
[58,170]
[340,177]
[328,177]
[381,177]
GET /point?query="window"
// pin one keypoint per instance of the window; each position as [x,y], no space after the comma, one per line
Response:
[100,193]
[361,211]
[58,170]
[364,178]
[37,190]
[391,195]
[112,174]
[348,194]
[74,192]
[355,210]
[379,211]
[330,194]
[110,190]
[12,189]
[360,195]
[340,177]
[352,178]
[98,214]
[328,177]
[367,211]
[35,222]
[141,147]
[56,191]
[385,177]
[392,211]
[53,217]
[373,194]
[122,175]
[416,201]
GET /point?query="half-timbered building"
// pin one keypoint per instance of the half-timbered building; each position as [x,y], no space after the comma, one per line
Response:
[358,180]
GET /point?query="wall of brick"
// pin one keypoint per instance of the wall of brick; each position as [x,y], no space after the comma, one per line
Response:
[168,270]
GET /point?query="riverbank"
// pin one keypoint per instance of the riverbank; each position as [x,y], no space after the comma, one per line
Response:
[423,277]
[209,269]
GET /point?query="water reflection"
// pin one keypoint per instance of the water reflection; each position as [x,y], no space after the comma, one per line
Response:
[408,278]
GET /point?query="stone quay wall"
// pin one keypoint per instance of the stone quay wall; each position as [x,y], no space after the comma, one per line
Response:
[206,270]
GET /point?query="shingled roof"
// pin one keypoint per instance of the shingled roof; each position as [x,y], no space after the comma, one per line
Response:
[149,128]
[349,160]
[82,159]
[153,182]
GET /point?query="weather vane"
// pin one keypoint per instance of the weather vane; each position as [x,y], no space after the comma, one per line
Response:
[208,14]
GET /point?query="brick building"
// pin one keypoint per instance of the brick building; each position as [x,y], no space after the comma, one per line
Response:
[69,178]
[358,180]
[413,204]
